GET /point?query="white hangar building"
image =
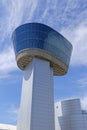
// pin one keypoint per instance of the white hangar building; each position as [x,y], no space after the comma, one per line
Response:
[7,127]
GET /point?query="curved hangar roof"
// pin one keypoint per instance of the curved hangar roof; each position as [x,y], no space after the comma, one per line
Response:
[7,127]
[39,40]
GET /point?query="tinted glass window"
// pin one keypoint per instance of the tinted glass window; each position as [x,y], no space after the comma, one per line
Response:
[43,37]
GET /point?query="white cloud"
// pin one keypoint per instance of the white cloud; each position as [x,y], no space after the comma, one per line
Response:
[7,62]
[4,75]
[15,12]
[9,113]
[82,82]
[10,19]
[84,103]
[13,112]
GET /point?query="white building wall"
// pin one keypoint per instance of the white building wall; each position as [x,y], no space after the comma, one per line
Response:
[85,121]
[37,102]
[72,117]
[7,127]
[58,111]
[71,107]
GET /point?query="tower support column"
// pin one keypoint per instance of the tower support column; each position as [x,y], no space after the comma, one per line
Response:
[37,100]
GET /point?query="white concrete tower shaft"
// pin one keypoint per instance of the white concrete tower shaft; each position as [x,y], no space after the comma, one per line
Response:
[37,100]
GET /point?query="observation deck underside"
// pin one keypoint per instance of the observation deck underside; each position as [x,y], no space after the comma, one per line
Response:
[25,56]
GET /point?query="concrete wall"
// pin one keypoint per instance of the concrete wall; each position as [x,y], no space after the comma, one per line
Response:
[37,101]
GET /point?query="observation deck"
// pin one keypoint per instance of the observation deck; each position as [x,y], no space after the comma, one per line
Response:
[38,40]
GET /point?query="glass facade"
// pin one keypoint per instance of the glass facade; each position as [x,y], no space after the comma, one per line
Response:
[36,35]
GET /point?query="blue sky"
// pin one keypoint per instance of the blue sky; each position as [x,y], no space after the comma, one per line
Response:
[69,17]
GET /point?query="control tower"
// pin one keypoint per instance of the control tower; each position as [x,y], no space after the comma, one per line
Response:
[41,53]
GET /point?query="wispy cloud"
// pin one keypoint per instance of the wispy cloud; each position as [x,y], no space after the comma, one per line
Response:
[9,113]
[13,112]
[65,16]
[15,13]
[82,82]
[7,61]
